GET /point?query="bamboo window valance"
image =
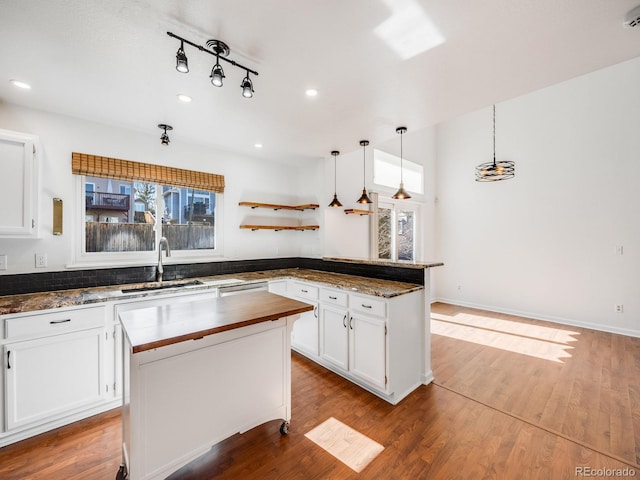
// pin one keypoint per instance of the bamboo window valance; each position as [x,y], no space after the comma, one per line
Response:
[95,166]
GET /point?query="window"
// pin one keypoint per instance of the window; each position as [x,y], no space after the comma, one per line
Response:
[129,206]
[386,172]
[130,221]
[398,235]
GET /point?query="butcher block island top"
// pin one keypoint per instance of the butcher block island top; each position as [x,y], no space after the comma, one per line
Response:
[155,327]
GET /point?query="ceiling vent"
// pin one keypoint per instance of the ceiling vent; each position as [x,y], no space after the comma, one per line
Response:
[632,19]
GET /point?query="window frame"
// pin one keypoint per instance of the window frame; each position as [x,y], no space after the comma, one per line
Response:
[82,259]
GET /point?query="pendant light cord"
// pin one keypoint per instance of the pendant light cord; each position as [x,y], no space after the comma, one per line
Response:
[401,177]
[494,135]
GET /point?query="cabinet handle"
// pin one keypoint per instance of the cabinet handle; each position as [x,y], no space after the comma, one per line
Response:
[366,306]
[351,323]
[8,359]
[315,311]
[304,291]
[53,322]
[333,298]
[344,322]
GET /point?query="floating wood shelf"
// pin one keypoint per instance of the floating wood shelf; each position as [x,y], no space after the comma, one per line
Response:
[357,212]
[308,206]
[280,227]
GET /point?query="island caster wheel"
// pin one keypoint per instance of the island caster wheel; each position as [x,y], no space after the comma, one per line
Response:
[284,428]
[122,473]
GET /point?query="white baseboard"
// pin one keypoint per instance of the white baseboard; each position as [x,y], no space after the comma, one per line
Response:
[546,318]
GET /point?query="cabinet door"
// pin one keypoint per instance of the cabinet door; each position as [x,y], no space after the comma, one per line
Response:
[304,335]
[52,376]
[368,350]
[334,336]
[19,167]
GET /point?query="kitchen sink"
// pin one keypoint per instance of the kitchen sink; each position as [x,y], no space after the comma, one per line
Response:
[161,286]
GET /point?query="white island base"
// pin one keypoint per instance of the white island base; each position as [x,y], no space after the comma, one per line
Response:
[181,399]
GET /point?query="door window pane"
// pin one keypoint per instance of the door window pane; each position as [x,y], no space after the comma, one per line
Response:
[405,235]
[385,233]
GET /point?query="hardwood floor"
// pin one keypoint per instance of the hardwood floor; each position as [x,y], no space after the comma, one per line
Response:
[579,383]
[492,413]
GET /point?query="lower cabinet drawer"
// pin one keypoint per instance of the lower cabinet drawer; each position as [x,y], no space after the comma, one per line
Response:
[334,297]
[302,290]
[368,305]
[46,324]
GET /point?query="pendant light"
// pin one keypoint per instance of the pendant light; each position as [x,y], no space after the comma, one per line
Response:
[335,202]
[401,194]
[364,198]
[495,171]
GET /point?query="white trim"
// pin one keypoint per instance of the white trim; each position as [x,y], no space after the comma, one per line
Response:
[546,318]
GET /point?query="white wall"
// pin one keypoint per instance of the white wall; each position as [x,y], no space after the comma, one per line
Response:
[543,244]
[247,179]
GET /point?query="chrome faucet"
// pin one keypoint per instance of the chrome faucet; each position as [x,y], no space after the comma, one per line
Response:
[160,270]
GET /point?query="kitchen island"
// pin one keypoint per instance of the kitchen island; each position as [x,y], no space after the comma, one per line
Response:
[196,373]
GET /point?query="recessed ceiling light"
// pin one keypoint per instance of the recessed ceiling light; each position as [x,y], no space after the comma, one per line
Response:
[19,84]
[184,98]
[257,145]
[311,92]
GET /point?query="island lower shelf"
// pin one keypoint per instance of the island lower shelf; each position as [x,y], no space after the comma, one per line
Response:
[189,394]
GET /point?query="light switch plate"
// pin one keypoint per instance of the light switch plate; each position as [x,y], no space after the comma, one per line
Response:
[3,262]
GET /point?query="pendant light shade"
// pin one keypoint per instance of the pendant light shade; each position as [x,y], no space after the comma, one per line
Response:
[335,202]
[364,198]
[495,171]
[401,194]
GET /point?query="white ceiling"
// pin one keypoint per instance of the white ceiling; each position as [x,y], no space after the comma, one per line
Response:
[111,61]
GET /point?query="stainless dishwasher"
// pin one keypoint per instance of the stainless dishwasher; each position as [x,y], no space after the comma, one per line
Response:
[244,288]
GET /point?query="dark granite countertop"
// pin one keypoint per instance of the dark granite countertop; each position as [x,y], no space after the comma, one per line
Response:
[386,263]
[82,296]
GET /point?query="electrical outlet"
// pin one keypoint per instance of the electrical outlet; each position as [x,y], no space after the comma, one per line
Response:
[41,260]
[3,262]
[619,308]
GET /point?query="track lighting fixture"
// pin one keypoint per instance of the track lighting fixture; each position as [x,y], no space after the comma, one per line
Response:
[182,64]
[364,198]
[217,74]
[220,50]
[164,138]
[495,171]
[335,202]
[401,194]
[247,86]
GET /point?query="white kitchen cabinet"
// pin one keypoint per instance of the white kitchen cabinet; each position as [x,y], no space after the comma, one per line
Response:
[375,342]
[368,350]
[53,376]
[53,365]
[334,336]
[354,342]
[19,165]
[304,337]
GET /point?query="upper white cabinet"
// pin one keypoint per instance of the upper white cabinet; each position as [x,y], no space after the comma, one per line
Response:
[19,165]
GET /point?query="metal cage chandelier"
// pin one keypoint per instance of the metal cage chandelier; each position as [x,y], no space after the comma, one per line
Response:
[220,50]
[495,171]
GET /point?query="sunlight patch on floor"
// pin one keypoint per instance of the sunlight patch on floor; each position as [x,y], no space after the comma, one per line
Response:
[551,334]
[346,444]
[505,341]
